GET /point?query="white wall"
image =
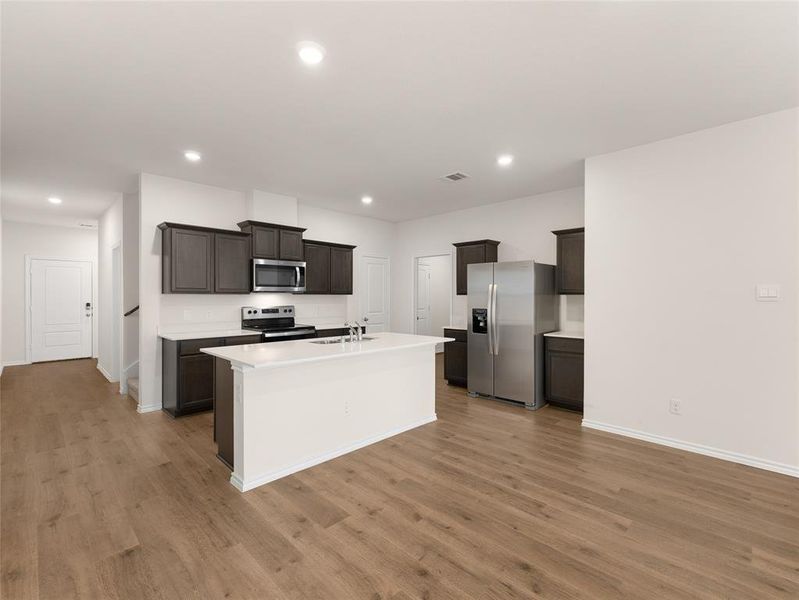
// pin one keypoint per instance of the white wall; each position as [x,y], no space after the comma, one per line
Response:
[372,237]
[130,285]
[109,234]
[166,199]
[523,226]
[41,241]
[1,288]
[678,233]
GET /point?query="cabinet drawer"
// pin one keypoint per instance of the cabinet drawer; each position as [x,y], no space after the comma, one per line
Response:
[564,344]
[242,340]
[193,346]
[458,334]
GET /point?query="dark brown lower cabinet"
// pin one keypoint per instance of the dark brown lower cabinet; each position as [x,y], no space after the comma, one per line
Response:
[563,372]
[187,378]
[455,365]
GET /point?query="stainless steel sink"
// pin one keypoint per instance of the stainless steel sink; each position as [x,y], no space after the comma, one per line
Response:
[339,340]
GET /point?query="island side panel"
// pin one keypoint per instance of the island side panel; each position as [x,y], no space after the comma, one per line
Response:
[293,417]
[223,410]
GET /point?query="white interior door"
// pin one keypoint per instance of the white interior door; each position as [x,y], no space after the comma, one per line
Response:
[374,293]
[61,309]
[423,298]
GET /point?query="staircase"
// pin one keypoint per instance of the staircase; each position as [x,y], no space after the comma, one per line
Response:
[133,388]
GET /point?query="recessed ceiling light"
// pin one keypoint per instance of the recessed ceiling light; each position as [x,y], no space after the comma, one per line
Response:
[504,160]
[54,200]
[192,155]
[366,199]
[310,53]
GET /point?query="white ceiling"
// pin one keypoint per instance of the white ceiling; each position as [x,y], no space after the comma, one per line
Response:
[94,93]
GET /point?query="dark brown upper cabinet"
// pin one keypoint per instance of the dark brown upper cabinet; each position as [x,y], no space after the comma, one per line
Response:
[469,253]
[317,268]
[291,245]
[328,268]
[270,240]
[340,270]
[187,259]
[571,260]
[204,260]
[232,273]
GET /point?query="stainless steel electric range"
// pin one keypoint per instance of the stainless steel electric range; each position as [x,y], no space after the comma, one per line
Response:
[276,323]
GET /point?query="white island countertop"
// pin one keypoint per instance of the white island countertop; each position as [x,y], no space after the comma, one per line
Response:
[576,335]
[277,354]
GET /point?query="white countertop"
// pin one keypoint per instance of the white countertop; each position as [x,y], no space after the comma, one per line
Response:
[454,327]
[277,354]
[576,335]
[177,336]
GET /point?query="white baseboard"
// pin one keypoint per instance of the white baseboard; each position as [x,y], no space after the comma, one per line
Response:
[16,363]
[273,475]
[105,373]
[743,459]
[148,408]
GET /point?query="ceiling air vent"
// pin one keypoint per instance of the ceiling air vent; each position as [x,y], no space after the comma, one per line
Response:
[457,176]
[88,225]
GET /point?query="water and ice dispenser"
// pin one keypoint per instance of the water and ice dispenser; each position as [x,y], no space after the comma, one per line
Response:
[479,320]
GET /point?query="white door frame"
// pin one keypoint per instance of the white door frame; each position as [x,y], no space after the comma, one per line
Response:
[361,307]
[414,264]
[28,336]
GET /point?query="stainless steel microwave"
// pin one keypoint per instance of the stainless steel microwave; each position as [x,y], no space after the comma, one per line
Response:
[278,275]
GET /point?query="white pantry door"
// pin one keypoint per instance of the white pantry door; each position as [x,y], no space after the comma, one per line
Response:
[61,309]
[422,298]
[374,293]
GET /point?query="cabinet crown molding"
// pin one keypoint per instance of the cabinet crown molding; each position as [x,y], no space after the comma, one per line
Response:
[475,242]
[333,244]
[249,223]
[572,230]
[168,225]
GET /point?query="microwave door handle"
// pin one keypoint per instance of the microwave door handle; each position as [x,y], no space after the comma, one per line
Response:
[297,274]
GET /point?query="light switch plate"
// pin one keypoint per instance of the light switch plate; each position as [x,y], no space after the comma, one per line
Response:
[767,292]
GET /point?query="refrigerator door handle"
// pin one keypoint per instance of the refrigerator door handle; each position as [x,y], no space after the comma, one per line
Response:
[494,324]
[489,319]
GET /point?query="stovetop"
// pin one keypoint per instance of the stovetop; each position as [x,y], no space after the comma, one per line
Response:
[274,327]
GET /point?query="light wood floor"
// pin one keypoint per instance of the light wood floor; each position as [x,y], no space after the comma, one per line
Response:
[490,502]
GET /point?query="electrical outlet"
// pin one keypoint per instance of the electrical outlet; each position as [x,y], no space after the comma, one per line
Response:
[346,408]
[675,406]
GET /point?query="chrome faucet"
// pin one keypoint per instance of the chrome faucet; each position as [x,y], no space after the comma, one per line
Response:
[359,330]
[352,331]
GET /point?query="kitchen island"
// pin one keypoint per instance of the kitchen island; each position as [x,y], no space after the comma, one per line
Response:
[298,403]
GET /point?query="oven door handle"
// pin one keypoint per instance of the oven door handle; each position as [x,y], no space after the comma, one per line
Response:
[279,334]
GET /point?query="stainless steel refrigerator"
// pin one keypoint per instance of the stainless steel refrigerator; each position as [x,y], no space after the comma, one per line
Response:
[510,306]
